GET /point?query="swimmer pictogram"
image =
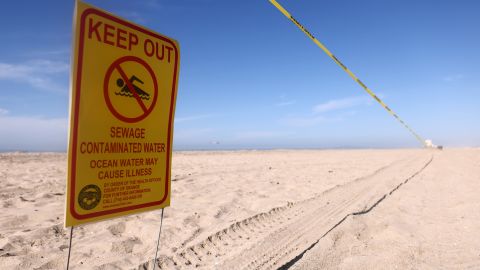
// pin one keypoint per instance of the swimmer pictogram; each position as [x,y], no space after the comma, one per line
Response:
[125,90]
[140,88]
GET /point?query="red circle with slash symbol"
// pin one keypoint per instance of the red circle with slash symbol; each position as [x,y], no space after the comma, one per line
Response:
[130,89]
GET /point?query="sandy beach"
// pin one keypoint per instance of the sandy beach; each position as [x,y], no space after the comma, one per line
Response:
[278,209]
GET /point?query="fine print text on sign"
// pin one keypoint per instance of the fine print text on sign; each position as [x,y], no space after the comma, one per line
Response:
[124,85]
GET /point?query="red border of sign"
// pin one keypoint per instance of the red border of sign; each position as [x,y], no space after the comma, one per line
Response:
[76,110]
[107,96]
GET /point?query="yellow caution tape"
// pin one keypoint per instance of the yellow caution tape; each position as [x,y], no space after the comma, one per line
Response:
[370,92]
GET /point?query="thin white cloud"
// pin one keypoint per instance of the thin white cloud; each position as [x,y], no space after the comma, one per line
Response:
[133,16]
[339,104]
[285,103]
[37,73]
[453,77]
[192,118]
[3,111]
[317,116]
[63,52]
[33,133]
[152,4]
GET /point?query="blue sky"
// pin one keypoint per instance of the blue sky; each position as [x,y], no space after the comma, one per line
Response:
[250,79]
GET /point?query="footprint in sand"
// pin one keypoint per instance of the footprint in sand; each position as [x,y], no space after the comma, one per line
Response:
[117,229]
[125,246]
[14,222]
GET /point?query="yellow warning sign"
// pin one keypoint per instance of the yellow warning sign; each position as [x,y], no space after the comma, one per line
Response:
[123,91]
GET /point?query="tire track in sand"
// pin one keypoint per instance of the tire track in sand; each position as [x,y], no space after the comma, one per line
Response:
[279,237]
